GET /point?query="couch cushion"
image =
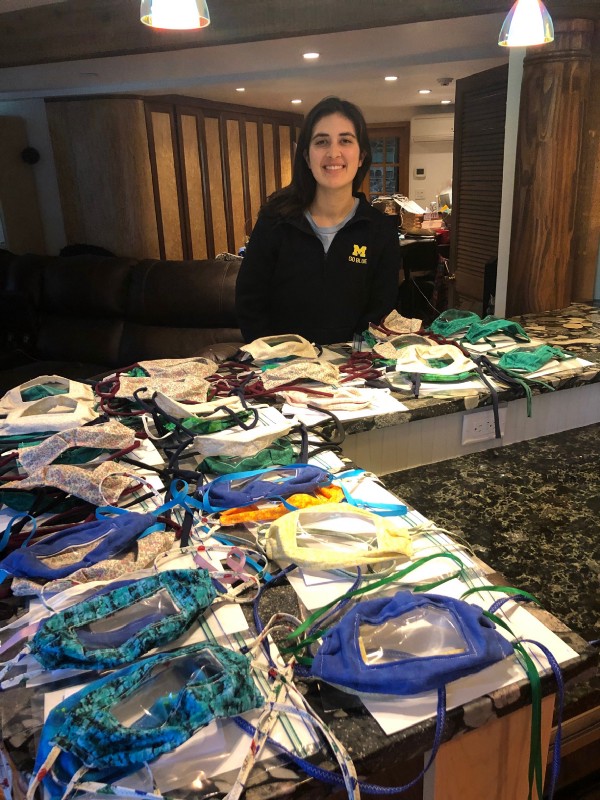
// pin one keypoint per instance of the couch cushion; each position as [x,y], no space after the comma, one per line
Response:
[184,294]
[81,309]
[178,308]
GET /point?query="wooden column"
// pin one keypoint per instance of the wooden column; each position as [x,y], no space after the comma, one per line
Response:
[587,218]
[554,94]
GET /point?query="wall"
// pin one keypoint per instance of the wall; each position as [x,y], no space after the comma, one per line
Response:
[34,114]
[436,158]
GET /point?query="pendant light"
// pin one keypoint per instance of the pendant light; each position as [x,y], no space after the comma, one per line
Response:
[175,14]
[528,23]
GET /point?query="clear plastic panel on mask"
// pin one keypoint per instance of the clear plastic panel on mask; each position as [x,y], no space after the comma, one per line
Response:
[422,632]
[345,531]
[157,699]
[274,476]
[117,628]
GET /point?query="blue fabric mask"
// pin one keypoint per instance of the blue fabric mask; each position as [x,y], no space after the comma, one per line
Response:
[247,488]
[118,627]
[128,718]
[97,541]
[407,644]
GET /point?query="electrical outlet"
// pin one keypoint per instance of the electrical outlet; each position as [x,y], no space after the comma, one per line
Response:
[478,425]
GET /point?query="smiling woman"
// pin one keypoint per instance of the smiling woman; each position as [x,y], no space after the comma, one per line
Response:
[321,262]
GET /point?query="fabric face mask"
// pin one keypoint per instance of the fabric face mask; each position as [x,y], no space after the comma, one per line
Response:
[118,627]
[44,386]
[345,398]
[390,348]
[128,718]
[396,323]
[301,370]
[273,348]
[180,387]
[279,454]
[246,488]
[111,435]
[55,413]
[175,368]
[101,485]
[526,360]
[408,644]
[453,321]
[211,409]
[491,325]
[335,536]
[61,553]
[444,359]
[239,443]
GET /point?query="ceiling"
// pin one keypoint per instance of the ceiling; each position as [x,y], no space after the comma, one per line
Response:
[352,64]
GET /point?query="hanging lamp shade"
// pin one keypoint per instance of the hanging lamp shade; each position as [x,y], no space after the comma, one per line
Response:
[175,14]
[528,23]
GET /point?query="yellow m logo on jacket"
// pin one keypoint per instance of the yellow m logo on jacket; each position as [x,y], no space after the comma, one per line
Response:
[360,252]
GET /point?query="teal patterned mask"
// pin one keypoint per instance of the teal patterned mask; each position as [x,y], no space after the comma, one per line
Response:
[118,627]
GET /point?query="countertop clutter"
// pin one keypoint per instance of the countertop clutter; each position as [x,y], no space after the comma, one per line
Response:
[169,436]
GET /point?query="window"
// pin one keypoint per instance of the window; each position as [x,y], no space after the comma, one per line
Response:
[388,173]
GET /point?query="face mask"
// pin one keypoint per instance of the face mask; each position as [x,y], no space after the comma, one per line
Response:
[408,644]
[452,321]
[220,408]
[320,371]
[244,489]
[55,413]
[128,718]
[279,454]
[525,360]
[118,627]
[61,553]
[335,536]
[101,485]
[491,325]
[396,323]
[181,387]
[444,359]
[111,435]
[272,511]
[176,368]
[345,398]
[272,348]
[239,443]
[390,348]
[44,386]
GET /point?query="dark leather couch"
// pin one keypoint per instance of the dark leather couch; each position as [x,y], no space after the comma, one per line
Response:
[83,315]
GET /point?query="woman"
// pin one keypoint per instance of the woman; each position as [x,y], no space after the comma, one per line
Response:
[321,262]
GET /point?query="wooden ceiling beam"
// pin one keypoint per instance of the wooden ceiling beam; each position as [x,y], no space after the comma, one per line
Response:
[79,29]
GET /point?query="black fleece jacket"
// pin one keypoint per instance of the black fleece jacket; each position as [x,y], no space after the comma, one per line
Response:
[287,284]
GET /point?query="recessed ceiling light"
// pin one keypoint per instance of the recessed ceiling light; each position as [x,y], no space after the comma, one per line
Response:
[445,102]
[310,56]
[295,102]
[391,78]
[424,91]
[89,74]
[240,89]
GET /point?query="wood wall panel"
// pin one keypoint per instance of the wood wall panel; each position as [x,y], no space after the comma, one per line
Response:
[167,184]
[285,145]
[101,153]
[254,172]
[215,173]
[19,207]
[236,184]
[193,182]
[269,159]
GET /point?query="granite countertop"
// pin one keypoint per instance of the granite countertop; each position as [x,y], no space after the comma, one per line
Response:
[575,329]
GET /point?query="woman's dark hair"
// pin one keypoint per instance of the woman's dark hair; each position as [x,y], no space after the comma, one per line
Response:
[298,195]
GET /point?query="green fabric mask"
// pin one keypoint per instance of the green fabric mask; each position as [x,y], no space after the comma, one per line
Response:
[526,360]
[453,320]
[279,454]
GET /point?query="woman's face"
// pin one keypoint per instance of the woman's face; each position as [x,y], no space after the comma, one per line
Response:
[334,154]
